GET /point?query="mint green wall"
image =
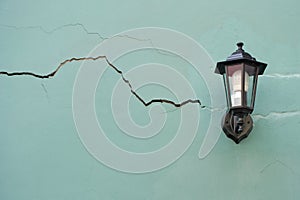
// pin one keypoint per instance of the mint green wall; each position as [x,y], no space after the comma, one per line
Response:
[41,155]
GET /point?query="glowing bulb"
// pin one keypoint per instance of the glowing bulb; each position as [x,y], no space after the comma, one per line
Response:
[236,95]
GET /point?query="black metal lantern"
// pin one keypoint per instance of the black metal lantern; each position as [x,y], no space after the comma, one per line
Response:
[240,72]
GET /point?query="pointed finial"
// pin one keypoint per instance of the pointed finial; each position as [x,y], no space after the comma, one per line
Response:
[240,45]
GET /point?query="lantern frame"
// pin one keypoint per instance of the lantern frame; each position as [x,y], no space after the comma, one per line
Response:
[236,70]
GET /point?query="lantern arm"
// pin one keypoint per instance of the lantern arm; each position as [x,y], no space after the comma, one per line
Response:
[237,126]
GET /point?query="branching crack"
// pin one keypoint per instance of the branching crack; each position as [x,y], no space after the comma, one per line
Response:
[41,28]
[77,24]
[83,27]
[53,73]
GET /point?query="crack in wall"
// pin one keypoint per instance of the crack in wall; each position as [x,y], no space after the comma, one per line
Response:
[284,76]
[53,73]
[209,108]
[77,24]
[276,115]
[82,26]
[46,92]
[276,161]
[41,28]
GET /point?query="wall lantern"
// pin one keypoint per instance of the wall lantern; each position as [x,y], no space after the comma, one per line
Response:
[240,72]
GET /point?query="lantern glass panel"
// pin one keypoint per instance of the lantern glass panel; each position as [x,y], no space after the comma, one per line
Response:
[250,72]
[235,74]
[227,90]
[249,88]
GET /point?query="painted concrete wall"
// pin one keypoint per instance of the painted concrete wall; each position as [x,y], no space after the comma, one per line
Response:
[42,153]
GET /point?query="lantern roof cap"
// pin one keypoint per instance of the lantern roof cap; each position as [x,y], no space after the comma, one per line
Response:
[240,53]
[240,56]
